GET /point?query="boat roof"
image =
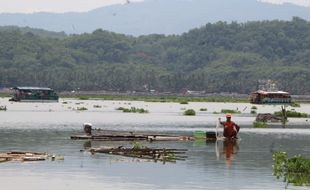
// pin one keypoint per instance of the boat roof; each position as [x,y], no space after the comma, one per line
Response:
[270,92]
[31,88]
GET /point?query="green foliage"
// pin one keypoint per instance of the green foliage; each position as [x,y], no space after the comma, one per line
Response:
[137,145]
[199,135]
[83,98]
[203,109]
[219,57]
[253,108]
[81,109]
[183,102]
[230,111]
[189,112]
[295,105]
[259,124]
[132,110]
[291,113]
[253,112]
[295,170]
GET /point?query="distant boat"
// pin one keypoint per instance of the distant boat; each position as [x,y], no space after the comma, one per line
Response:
[266,97]
[34,94]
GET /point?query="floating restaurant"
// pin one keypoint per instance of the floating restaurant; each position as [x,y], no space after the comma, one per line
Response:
[34,94]
[266,97]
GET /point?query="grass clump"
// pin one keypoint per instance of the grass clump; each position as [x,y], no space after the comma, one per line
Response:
[3,108]
[203,109]
[291,113]
[132,110]
[229,111]
[183,102]
[295,105]
[83,98]
[257,124]
[189,112]
[295,170]
[253,108]
[253,112]
[137,145]
[81,109]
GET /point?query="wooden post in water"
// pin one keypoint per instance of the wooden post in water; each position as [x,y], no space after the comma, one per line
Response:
[284,116]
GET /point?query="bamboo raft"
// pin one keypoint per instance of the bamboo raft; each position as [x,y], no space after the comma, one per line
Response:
[108,135]
[131,137]
[162,155]
[27,156]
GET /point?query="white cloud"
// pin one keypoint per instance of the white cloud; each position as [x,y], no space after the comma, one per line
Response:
[297,2]
[29,6]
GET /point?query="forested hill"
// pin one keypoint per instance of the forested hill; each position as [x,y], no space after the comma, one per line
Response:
[220,57]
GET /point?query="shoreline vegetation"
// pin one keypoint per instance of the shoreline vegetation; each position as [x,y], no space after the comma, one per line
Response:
[174,97]
[167,98]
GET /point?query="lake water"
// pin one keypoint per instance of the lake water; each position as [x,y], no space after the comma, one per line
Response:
[47,128]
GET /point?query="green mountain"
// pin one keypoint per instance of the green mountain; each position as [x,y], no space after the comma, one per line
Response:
[156,16]
[219,57]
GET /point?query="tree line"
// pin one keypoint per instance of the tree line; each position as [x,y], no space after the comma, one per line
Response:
[219,57]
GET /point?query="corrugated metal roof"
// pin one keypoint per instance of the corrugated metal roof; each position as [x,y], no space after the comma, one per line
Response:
[31,88]
[267,92]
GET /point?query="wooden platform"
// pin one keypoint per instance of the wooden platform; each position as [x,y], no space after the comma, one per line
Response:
[130,136]
[155,154]
[27,156]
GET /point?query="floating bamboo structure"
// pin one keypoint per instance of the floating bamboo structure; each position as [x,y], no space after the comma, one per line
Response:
[105,135]
[155,154]
[27,156]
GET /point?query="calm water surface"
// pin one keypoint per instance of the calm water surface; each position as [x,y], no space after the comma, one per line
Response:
[246,165]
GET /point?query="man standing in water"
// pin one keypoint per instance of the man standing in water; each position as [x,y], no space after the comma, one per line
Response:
[231,129]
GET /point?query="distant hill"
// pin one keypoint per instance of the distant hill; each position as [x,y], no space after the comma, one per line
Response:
[157,16]
[34,31]
[217,57]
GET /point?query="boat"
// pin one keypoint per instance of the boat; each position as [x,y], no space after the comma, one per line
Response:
[34,94]
[270,97]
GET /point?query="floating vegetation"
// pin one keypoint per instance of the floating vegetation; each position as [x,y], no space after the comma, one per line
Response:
[203,109]
[295,105]
[132,110]
[81,109]
[189,112]
[295,170]
[97,106]
[83,98]
[215,112]
[184,102]
[253,108]
[291,113]
[253,112]
[257,124]
[141,152]
[229,111]
[3,108]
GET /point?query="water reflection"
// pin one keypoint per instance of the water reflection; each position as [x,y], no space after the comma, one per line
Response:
[250,166]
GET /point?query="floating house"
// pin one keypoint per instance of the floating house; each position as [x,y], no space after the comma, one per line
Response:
[34,94]
[266,97]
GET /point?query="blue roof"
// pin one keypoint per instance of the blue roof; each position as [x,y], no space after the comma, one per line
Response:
[31,88]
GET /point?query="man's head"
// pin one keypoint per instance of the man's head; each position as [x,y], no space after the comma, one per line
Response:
[228,117]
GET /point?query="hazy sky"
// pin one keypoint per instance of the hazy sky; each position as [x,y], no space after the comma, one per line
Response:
[28,6]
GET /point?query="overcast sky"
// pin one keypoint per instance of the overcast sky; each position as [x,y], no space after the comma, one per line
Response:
[28,6]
